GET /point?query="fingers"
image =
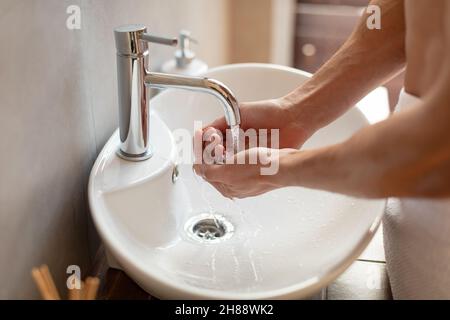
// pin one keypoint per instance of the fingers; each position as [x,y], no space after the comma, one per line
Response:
[220,124]
[214,174]
[198,147]
[223,189]
[219,154]
[208,146]
[230,193]
[211,173]
[223,181]
[209,132]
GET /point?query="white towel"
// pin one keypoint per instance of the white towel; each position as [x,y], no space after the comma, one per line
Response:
[417,242]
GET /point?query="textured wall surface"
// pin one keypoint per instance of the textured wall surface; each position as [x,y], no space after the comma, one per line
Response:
[262,31]
[251,30]
[58,107]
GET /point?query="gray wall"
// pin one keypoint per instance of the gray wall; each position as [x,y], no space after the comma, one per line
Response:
[57,108]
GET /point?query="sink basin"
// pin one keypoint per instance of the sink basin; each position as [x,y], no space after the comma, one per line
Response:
[286,244]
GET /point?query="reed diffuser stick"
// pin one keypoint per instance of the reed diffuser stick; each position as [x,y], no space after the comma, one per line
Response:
[50,283]
[41,284]
[90,292]
[76,294]
[47,288]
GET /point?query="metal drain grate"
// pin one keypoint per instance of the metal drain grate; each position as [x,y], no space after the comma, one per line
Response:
[209,228]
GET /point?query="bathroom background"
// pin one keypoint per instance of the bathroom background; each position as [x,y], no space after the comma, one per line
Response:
[59,102]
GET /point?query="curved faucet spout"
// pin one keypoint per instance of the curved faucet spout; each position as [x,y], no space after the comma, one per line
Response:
[211,86]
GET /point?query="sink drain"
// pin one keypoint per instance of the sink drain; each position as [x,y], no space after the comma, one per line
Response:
[209,228]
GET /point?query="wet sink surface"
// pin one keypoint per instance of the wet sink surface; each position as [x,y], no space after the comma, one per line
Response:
[285,244]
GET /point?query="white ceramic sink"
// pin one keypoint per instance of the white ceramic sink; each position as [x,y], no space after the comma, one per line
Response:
[286,244]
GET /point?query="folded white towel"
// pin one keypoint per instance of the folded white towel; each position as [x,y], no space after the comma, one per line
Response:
[417,242]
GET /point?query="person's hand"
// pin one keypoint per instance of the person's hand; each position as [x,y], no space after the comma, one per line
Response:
[252,178]
[271,114]
[263,170]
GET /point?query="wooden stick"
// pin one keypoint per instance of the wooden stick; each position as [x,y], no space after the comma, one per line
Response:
[47,288]
[76,294]
[83,290]
[41,284]
[50,283]
[92,285]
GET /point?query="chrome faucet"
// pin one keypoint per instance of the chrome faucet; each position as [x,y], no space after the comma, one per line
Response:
[133,78]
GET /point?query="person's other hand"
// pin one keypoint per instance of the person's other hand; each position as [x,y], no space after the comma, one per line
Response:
[252,178]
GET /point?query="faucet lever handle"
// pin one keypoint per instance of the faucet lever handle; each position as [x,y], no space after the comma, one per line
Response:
[160,40]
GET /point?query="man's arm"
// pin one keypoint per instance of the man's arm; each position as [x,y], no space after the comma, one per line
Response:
[407,155]
[363,165]
[367,59]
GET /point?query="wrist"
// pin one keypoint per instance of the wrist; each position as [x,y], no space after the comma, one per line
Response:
[287,162]
[301,112]
[320,168]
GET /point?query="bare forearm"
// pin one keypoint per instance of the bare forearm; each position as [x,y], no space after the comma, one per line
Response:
[407,155]
[366,60]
